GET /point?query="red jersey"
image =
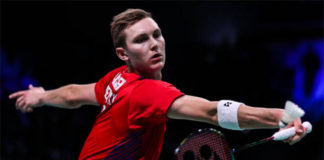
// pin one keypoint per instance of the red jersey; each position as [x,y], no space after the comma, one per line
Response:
[132,121]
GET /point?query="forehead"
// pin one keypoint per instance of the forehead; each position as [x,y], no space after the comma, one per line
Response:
[144,26]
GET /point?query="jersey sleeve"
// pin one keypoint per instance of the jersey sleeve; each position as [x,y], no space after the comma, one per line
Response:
[100,91]
[101,85]
[150,100]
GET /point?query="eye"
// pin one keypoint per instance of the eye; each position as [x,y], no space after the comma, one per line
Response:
[140,39]
[157,33]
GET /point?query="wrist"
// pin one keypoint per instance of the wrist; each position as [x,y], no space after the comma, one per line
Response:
[42,98]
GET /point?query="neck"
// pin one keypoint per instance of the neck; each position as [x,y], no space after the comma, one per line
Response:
[155,76]
[149,75]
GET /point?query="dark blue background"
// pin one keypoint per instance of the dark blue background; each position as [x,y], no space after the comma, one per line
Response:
[260,53]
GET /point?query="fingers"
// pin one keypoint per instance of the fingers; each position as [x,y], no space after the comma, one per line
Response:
[26,108]
[24,103]
[296,138]
[29,109]
[298,125]
[19,102]
[20,93]
[16,94]
[301,132]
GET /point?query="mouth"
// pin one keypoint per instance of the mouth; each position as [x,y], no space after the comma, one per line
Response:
[157,57]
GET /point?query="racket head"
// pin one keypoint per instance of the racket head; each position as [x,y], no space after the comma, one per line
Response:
[207,143]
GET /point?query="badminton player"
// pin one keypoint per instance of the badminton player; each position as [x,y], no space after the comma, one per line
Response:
[135,104]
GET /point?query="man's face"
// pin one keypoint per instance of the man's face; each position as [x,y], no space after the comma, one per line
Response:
[145,46]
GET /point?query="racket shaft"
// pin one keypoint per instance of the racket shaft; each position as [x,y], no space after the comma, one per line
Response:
[280,135]
[252,144]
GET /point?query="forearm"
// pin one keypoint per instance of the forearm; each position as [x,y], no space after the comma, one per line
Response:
[199,109]
[61,97]
[257,117]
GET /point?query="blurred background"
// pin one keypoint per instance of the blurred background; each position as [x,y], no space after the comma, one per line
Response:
[259,53]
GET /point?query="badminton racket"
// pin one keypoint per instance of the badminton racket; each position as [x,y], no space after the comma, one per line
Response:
[209,143]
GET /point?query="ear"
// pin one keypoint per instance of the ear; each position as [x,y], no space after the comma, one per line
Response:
[121,53]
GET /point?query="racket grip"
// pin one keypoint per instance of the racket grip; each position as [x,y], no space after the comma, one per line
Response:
[284,134]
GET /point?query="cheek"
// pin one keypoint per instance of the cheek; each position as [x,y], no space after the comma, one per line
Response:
[138,54]
[162,41]
[142,50]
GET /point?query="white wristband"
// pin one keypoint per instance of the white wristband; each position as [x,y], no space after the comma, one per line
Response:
[227,114]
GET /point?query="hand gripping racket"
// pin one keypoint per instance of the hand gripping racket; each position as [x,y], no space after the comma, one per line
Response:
[210,144]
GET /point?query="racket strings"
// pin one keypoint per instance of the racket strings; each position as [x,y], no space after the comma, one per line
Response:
[205,146]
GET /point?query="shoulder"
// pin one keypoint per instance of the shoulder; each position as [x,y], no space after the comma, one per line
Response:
[112,73]
[101,85]
[154,94]
[149,86]
[154,83]
[153,88]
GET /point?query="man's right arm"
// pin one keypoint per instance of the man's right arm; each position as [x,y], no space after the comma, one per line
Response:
[200,109]
[69,96]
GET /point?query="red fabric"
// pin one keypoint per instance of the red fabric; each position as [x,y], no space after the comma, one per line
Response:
[131,124]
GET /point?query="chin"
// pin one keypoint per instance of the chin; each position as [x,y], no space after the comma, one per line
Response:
[158,67]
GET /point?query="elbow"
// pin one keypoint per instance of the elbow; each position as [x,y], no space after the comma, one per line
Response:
[212,114]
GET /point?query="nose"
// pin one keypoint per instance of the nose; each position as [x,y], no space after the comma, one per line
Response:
[154,44]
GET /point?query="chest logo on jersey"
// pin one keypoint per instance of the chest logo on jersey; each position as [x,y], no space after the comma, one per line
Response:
[117,82]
